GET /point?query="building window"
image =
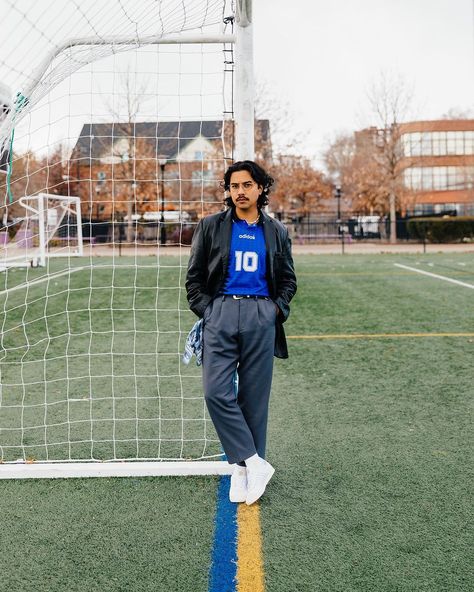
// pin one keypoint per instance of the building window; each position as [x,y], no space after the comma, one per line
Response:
[413,178]
[469,142]
[450,143]
[423,209]
[415,144]
[459,142]
[427,178]
[438,143]
[426,147]
[427,209]
[442,178]
[406,146]
[439,177]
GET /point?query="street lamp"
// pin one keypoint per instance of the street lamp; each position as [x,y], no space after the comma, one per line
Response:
[162,160]
[340,227]
[338,193]
[134,187]
[98,189]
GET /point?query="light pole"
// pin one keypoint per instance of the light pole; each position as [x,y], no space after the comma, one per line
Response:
[127,172]
[340,227]
[338,193]
[162,160]
[98,189]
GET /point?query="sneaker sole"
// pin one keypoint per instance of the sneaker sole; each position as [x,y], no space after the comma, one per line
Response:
[236,499]
[252,499]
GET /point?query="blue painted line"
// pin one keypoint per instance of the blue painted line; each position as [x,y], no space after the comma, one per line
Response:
[223,571]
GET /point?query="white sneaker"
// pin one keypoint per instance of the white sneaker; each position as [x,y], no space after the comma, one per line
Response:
[258,478]
[238,485]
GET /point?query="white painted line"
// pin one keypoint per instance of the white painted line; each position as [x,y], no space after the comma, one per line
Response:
[438,277]
[41,280]
[112,469]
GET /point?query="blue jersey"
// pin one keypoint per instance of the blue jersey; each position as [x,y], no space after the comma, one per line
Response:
[247,268]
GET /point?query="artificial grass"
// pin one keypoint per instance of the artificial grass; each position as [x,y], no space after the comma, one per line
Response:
[372,439]
[91,364]
[107,535]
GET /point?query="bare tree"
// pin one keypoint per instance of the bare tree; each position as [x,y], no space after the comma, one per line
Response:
[369,164]
[268,106]
[390,100]
[339,158]
[351,164]
[131,99]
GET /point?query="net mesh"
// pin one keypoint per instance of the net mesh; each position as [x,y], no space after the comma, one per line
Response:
[91,346]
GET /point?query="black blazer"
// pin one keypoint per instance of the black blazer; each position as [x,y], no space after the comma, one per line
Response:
[207,267]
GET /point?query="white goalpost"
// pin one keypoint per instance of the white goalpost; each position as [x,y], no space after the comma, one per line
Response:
[52,227]
[123,119]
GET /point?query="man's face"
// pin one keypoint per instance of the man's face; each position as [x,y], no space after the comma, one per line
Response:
[244,191]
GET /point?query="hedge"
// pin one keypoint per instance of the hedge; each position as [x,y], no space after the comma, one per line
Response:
[447,229]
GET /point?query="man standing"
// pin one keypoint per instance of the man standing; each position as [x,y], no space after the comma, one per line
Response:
[240,280]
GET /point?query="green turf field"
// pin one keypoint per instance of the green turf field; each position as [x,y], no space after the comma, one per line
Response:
[371,438]
[107,342]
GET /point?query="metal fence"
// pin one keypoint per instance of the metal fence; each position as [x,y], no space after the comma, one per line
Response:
[355,228]
[332,230]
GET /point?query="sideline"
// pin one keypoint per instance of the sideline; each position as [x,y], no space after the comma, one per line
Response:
[43,279]
[249,550]
[237,556]
[434,275]
[223,568]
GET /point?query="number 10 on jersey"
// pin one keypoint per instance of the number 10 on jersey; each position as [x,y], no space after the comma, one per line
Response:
[246,260]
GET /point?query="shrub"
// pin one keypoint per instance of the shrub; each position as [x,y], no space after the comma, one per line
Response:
[447,229]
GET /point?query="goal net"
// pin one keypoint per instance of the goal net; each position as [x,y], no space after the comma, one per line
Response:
[118,130]
[51,227]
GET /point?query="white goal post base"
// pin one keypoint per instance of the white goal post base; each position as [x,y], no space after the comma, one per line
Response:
[113,469]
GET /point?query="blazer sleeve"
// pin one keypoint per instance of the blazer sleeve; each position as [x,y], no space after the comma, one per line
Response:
[285,279]
[196,277]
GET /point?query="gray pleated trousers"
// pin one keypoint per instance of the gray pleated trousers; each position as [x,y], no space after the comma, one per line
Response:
[239,335]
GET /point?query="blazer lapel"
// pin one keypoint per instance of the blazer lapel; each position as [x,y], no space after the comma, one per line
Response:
[270,240]
[225,235]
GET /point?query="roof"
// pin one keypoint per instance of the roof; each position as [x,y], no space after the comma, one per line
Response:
[438,125]
[433,125]
[167,138]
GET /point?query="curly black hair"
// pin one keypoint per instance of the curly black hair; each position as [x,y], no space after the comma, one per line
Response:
[258,174]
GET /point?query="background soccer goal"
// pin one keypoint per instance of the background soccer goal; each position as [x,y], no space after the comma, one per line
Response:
[121,120]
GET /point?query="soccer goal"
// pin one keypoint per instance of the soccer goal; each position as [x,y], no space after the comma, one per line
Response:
[51,227]
[123,118]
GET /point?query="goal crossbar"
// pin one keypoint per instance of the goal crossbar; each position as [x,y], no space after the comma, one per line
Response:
[125,40]
[23,99]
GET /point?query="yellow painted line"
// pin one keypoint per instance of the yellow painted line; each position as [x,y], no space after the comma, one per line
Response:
[249,550]
[378,335]
[364,273]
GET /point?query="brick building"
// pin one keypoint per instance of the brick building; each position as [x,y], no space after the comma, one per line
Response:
[115,168]
[438,162]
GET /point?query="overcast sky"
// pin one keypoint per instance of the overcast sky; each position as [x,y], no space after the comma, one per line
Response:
[321,56]
[318,56]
